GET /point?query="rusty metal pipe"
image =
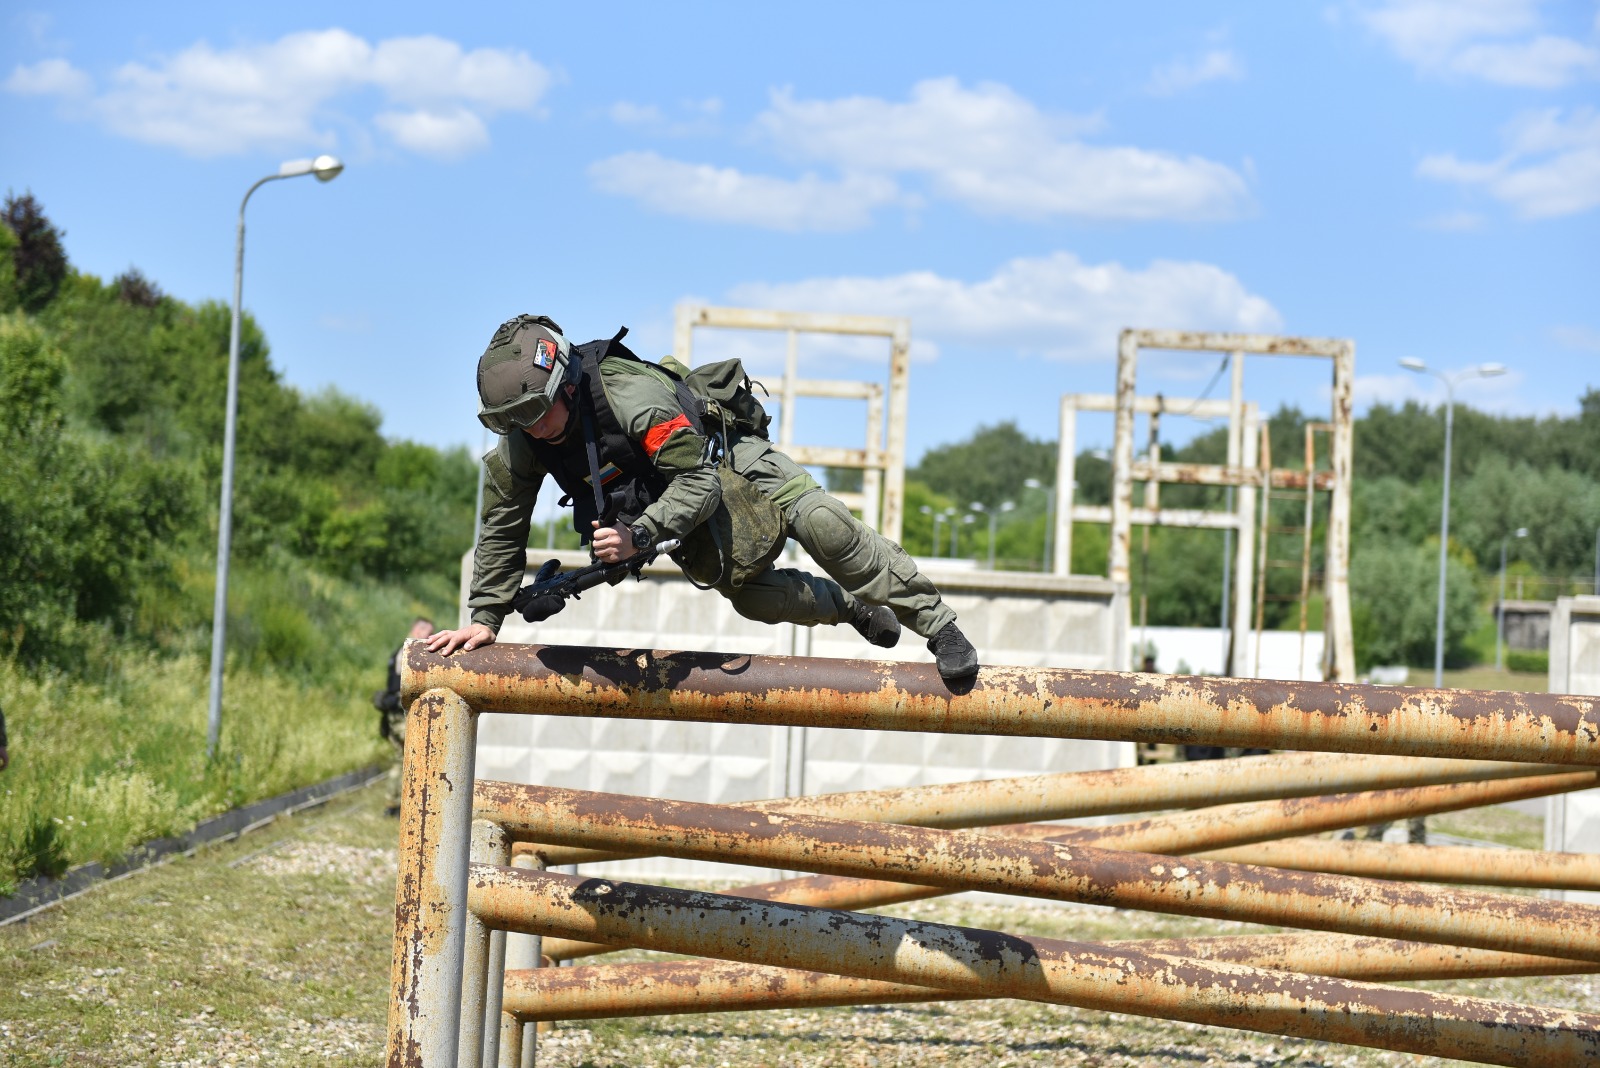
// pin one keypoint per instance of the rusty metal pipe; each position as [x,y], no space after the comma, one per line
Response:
[1261,821]
[431,887]
[1112,791]
[682,986]
[1181,833]
[989,964]
[1026,702]
[965,860]
[1469,865]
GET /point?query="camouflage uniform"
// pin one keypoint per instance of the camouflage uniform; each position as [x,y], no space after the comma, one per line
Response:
[862,564]
[392,726]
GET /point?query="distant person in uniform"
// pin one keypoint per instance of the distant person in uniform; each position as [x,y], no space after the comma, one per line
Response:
[392,715]
[643,458]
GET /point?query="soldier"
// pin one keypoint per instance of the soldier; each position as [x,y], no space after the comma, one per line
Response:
[392,714]
[643,459]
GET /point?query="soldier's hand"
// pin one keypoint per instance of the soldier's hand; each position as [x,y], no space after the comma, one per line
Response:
[612,544]
[470,637]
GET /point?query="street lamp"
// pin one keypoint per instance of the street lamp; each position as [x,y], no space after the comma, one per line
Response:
[326,169]
[1500,608]
[955,528]
[938,517]
[994,516]
[1049,519]
[1484,370]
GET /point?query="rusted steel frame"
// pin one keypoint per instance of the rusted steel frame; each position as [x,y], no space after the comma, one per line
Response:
[680,986]
[965,860]
[1112,791]
[990,964]
[1018,702]
[1469,865]
[1181,833]
[430,895]
[522,952]
[1280,478]
[1234,825]
[483,962]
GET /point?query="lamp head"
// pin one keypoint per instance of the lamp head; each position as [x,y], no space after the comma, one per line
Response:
[1522,532]
[1489,370]
[977,506]
[326,168]
[1411,363]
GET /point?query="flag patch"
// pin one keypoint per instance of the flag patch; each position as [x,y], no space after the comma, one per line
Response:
[607,473]
[544,354]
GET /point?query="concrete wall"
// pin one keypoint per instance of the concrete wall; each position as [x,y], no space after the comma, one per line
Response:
[1016,619]
[1200,651]
[1572,821]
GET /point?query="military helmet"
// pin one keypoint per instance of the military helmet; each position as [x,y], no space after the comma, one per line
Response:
[521,373]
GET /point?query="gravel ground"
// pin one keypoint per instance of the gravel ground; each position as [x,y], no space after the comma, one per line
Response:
[274,951]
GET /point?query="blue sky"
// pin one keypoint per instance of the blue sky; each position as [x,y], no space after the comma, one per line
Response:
[1418,175]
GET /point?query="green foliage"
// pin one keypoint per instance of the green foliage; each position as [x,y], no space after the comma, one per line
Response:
[1394,588]
[39,263]
[1528,660]
[989,467]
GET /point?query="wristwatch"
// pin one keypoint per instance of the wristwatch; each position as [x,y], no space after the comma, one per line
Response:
[642,538]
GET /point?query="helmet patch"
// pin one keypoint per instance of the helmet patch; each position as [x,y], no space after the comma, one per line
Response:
[544,356]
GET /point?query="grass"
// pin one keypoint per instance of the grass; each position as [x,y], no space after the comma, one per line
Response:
[111,752]
[274,951]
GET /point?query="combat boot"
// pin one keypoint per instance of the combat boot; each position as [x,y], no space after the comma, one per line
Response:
[956,657]
[876,623]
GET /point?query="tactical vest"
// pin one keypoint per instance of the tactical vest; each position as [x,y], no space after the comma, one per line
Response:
[629,480]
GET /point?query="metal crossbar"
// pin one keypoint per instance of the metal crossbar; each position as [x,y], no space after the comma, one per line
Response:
[473,854]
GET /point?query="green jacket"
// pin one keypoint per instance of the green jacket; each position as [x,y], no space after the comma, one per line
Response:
[642,398]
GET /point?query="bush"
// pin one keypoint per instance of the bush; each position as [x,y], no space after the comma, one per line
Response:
[1528,660]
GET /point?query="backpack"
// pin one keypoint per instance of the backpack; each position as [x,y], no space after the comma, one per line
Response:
[724,388]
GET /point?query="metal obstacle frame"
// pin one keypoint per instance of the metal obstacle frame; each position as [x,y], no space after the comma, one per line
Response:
[1243,856]
[883,459]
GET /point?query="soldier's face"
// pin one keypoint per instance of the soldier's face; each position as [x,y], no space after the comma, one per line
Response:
[552,425]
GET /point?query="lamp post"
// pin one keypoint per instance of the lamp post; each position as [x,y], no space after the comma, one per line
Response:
[1500,607]
[994,517]
[1049,519]
[938,517]
[1485,370]
[326,168]
[955,529]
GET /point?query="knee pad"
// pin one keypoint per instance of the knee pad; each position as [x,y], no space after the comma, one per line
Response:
[825,527]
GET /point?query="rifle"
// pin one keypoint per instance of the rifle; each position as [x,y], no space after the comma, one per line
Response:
[547,594]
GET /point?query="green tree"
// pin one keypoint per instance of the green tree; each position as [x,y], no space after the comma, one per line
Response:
[39,261]
[989,467]
[1394,592]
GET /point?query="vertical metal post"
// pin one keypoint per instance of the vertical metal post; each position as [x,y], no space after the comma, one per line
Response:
[1500,613]
[791,376]
[431,891]
[1244,549]
[1444,534]
[894,483]
[522,952]
[1118,567]
[872,477]
[1235,438]
[1066,486]
[1336,553]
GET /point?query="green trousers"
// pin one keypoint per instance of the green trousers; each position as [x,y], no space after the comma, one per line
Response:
[861,564]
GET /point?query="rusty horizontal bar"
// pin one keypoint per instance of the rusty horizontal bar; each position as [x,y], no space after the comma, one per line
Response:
[1026,702]
[1469,865]
[986,963]
[965,860]
[1263,344]
[1181,833]
[1223,475]
[682,986]
[1259,821]
[1114,791]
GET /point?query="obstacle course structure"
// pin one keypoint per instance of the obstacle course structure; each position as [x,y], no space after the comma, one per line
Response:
[474,855]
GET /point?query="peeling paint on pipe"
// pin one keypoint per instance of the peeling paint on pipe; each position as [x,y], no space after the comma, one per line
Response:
[1027,702]
[986,963]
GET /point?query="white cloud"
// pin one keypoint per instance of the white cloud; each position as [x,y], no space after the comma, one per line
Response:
[296,91]
[1219,64]
[50,77]
[995,151]
[1484,39]
[725,194]
[1578,338]
[1056,306]
[445,134]
[1551,166]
